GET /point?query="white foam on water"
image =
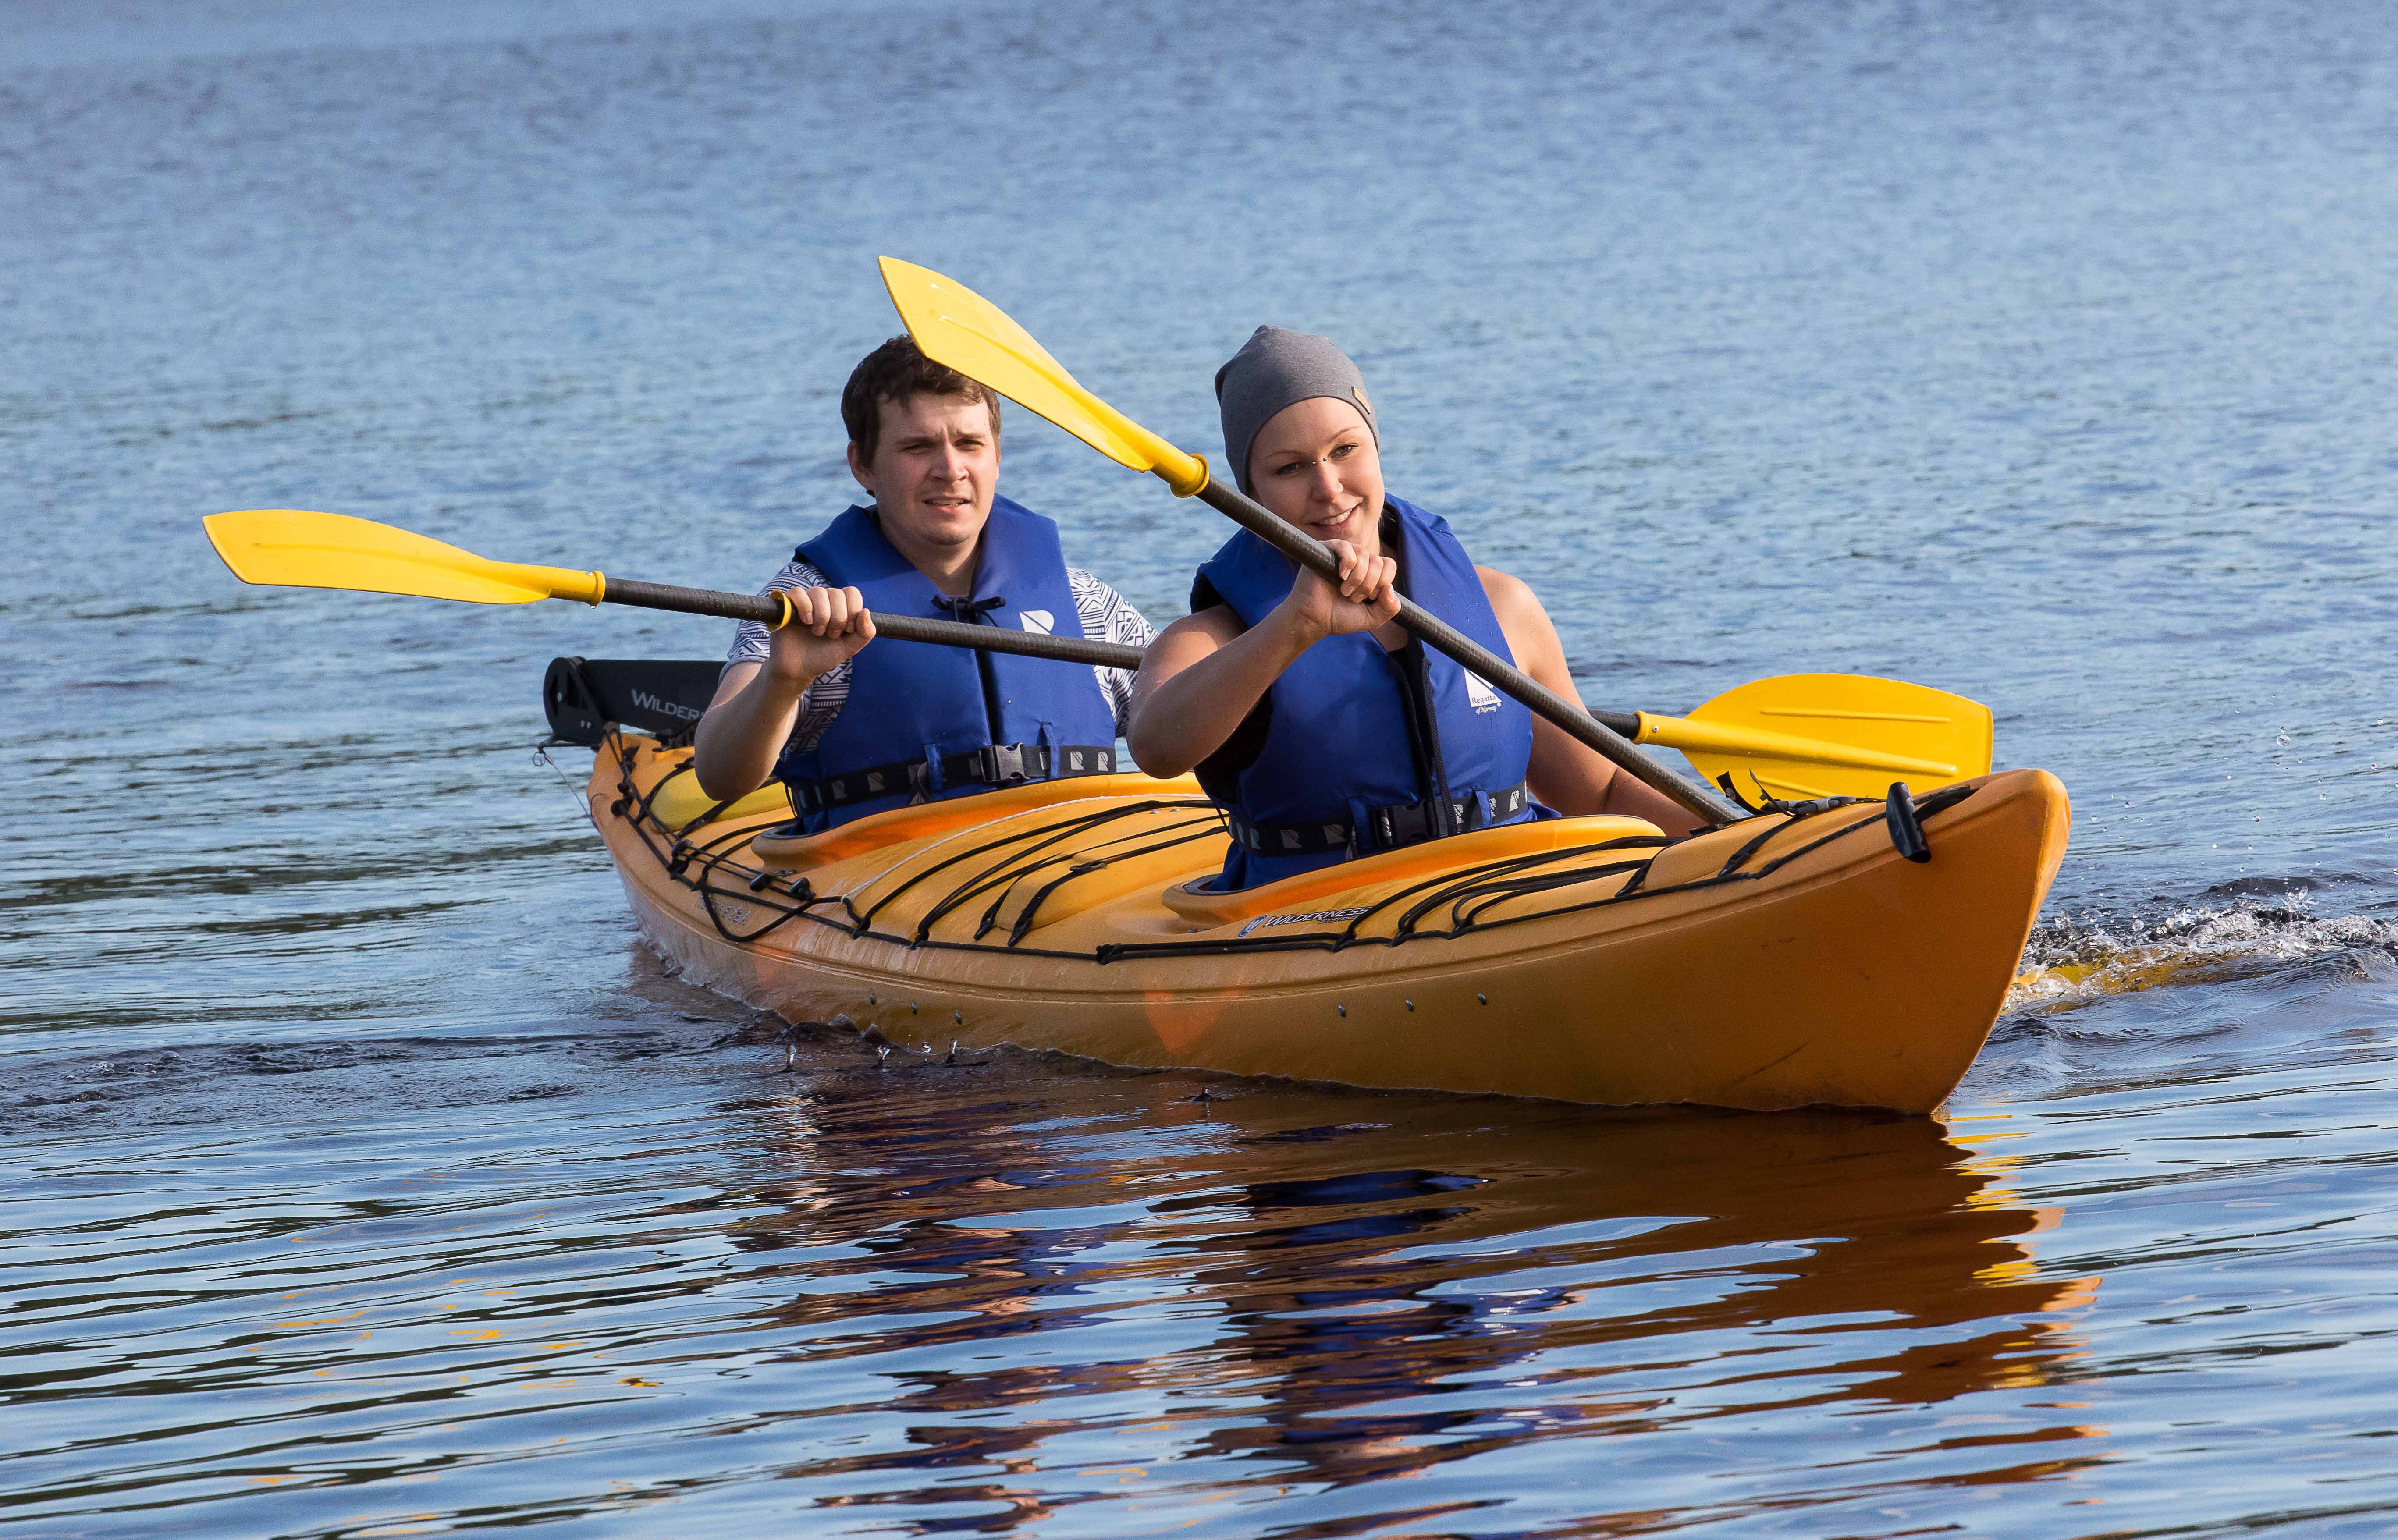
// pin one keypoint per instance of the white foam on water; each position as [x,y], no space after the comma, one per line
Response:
[2075,958]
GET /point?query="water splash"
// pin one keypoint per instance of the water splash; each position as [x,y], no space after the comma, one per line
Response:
[2072,960]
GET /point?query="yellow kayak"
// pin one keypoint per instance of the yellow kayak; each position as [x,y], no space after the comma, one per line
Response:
[1776,962]
[1830,952]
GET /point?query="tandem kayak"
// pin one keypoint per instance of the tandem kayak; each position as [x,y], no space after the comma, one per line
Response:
[1796,957]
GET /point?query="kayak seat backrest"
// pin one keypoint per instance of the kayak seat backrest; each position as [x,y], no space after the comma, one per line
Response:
[680,800]
[1208,910]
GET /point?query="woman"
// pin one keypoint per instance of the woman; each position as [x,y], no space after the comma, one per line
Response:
[1310,716]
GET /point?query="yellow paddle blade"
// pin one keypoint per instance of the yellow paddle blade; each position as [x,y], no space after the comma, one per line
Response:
[1863,733]
[957,326]
[293,548]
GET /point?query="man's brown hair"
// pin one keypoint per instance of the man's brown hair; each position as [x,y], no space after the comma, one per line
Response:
[899,371]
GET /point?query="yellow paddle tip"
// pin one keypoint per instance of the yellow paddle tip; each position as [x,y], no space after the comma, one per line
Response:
[957,326]
[298,548]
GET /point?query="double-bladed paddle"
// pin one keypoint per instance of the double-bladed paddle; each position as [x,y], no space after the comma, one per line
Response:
[294,548]
[1800,735]
[956,326]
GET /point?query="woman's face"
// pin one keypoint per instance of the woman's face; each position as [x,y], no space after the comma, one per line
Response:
[1314,464]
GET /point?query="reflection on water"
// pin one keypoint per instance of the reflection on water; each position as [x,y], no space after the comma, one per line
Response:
[980,1295]
[340,1287]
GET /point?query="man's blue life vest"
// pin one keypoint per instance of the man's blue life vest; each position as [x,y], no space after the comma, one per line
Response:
[1364,749]
[924,722]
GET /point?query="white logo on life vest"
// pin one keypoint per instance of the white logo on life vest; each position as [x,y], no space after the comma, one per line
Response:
[1325,915]
[1479,694]
[1038,619]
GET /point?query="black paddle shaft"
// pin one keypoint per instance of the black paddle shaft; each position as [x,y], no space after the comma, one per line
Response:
[905,628]
[1577,723]
[908,628]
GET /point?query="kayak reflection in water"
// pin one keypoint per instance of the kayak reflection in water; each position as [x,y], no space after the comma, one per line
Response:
[1321,726]
[1353,1302]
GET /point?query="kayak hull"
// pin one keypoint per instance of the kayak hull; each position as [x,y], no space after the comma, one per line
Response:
[1828,971]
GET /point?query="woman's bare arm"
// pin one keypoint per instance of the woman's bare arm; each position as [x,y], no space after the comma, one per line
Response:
[1204,674]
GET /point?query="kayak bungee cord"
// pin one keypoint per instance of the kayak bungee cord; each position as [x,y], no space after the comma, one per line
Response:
[636,805]
[1056,834]
[1469,894]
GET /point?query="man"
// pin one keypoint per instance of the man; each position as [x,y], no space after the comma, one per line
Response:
[854,730]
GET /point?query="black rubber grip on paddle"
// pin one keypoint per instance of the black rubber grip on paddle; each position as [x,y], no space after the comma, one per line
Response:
[693,601]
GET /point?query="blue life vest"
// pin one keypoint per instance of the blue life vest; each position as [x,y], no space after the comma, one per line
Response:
[924,723]
[1365,749]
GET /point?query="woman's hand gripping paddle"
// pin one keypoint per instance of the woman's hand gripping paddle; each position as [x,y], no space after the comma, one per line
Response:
[292,548]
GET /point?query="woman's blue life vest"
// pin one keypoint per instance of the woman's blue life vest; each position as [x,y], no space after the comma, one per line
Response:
[1365,749]
[924,723]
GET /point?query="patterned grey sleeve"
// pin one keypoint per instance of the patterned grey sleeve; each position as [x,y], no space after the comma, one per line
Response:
[822,699]
[1107,616]
[750,640]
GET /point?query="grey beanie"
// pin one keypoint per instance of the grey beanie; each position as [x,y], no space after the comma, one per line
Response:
[1277,369]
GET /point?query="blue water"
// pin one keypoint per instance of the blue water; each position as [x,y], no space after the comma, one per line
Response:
[365,1175]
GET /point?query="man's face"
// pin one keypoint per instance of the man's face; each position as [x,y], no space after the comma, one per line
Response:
[936,469]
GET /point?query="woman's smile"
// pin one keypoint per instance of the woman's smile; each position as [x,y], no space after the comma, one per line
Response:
[1344,523]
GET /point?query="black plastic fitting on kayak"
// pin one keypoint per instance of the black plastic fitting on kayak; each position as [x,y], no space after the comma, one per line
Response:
[1906,824]
[581,696]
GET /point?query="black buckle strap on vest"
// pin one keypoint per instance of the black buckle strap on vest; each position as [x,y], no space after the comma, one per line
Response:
[1391,828]
[971,610]
[993,765]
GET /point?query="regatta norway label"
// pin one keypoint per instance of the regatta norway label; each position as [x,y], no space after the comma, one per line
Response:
[1040,621]
[1319,915]
[1479,694]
